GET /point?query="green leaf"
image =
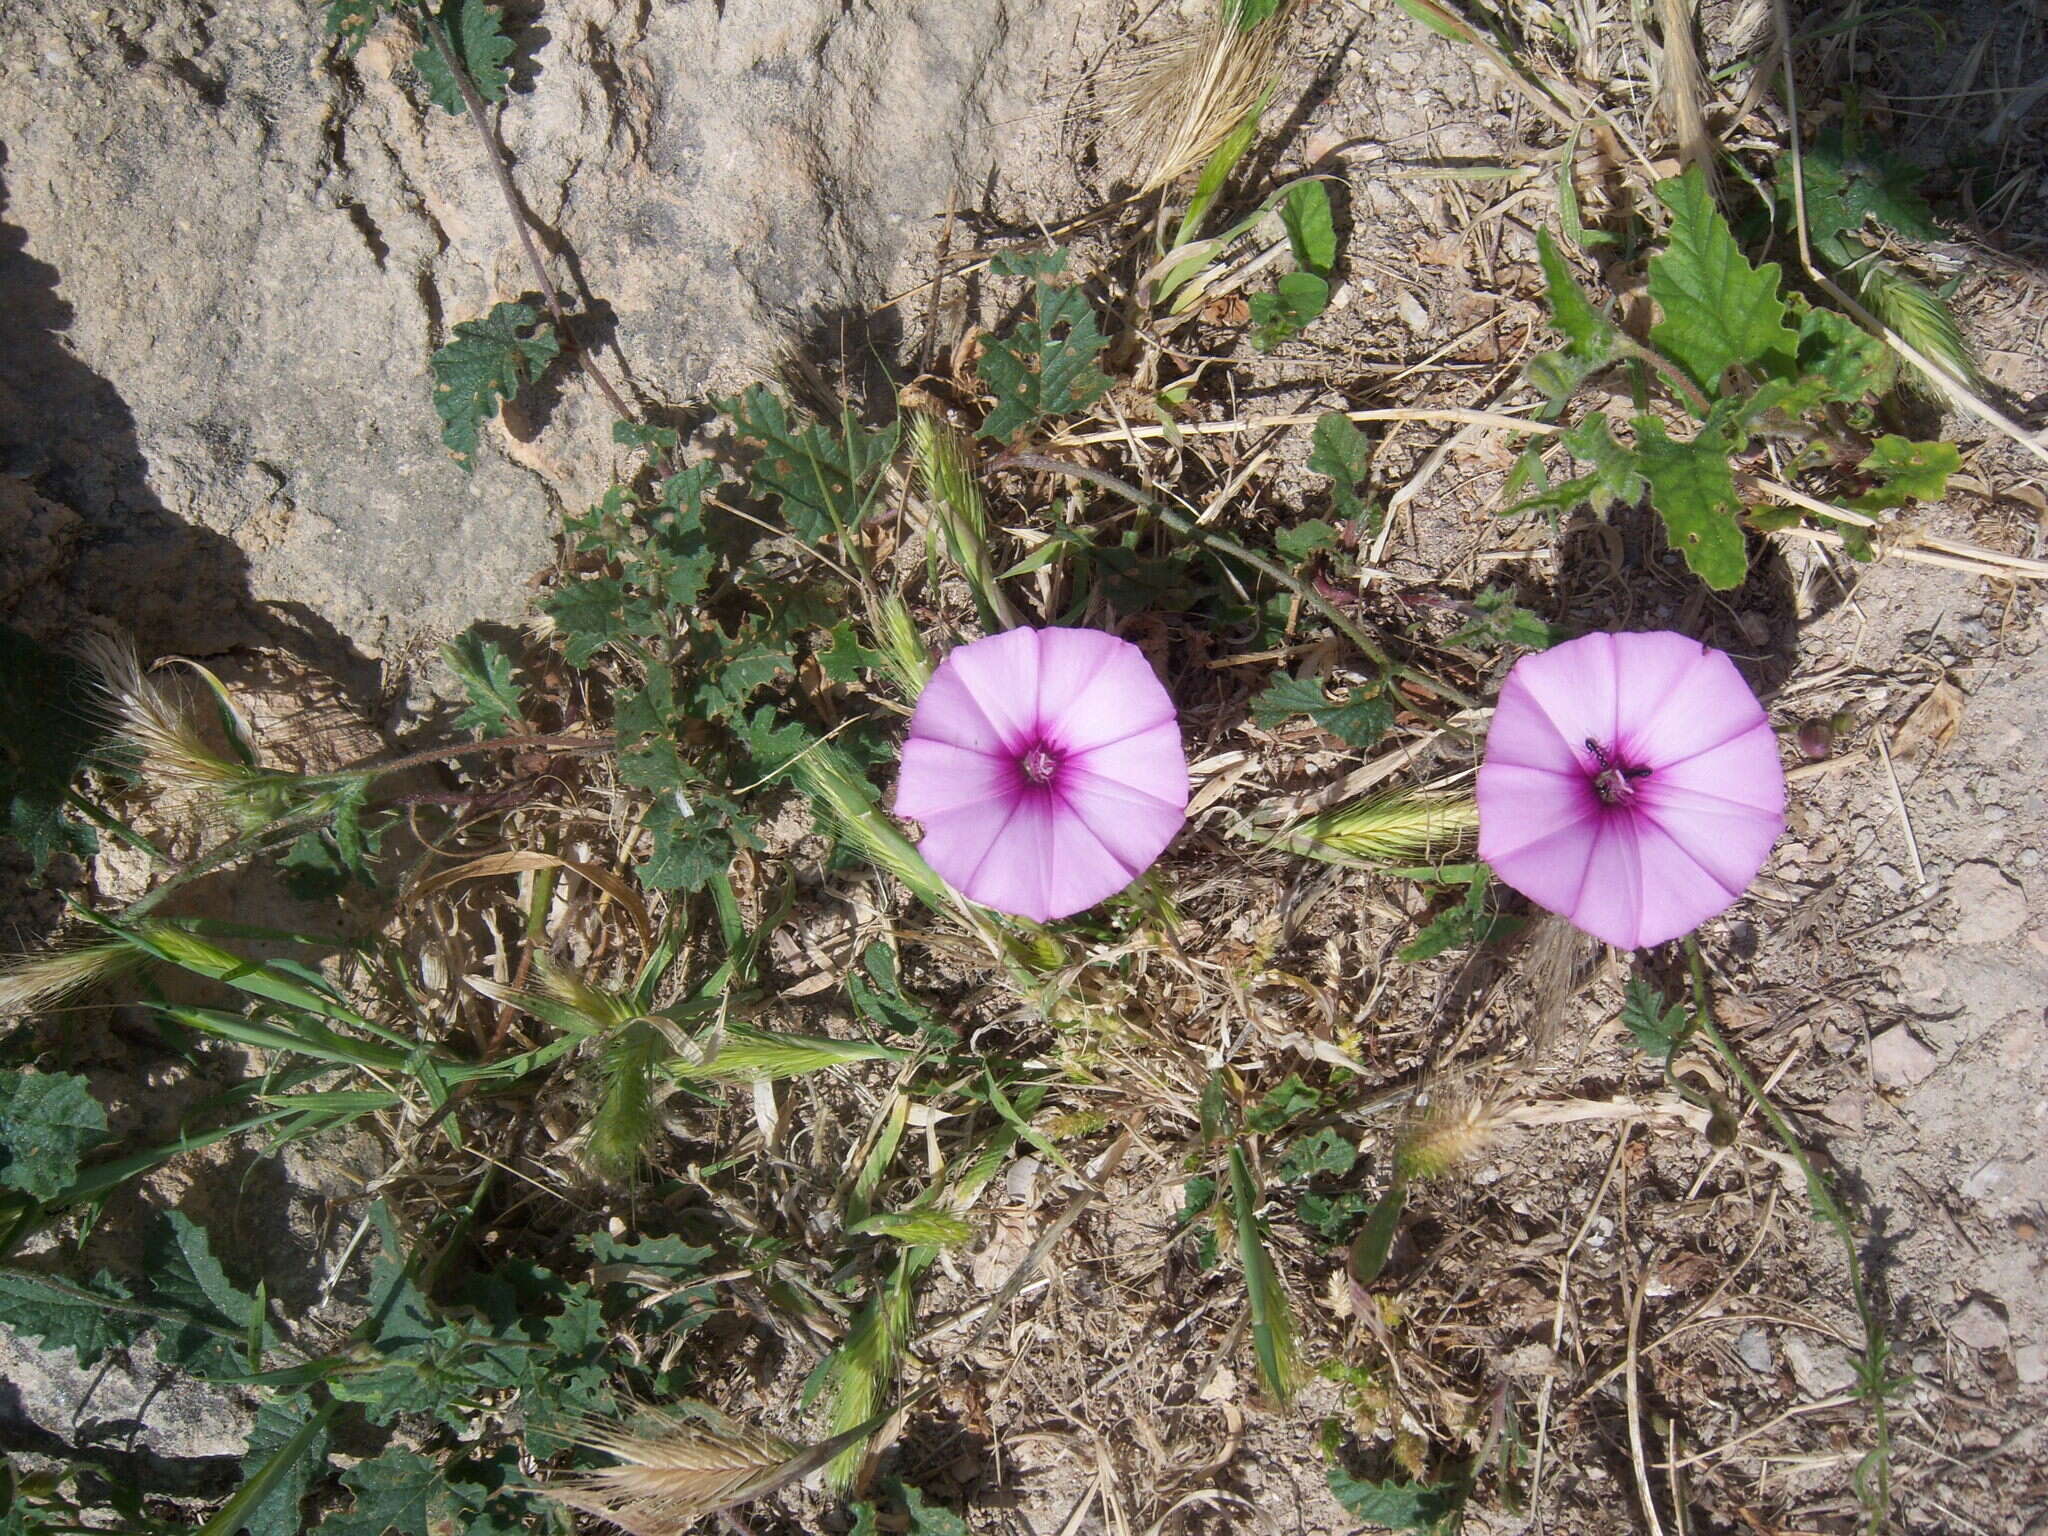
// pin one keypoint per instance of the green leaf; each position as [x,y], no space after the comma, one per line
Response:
[51,729]
[1499,621]
[1906,471]
[1694,492]
[486,363]
[1657,1031]
[1311,227]
[1248,14]
[1338,449]
[481,47]
[61,1315]
[1358,720]
[1719,311]
[278,1420]
[820,477]
[926,1519]
[399,1491]
[1325,1152]
[485,672]
[1616,480]
[1305,539]
[1291,1100]
[1398,1506]
[1043,366]
[1367,1255]
[350,22]
[1331,1216]
[1591,339]
[1208,186]
[1848,184]
[693,841]
[1296,300]
[590,614]
[1460,926]
[1839,361]
[184,1274]
[1271,1312]
[48,1121]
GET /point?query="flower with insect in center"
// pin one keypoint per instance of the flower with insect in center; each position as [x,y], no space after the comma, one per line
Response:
[1631,785]
[1046,766]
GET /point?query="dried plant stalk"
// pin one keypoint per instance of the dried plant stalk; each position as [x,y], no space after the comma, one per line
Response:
[672,1476]
[1169,106]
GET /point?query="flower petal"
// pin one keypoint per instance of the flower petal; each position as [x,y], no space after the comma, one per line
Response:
[1521,806]
[1094,689]
[948,711]
[957,842]
[1046,864]
[939,777]
[1574,687]
[1680,698]
[1149,761]
[1002,678]
[1609,901]
[1135,827]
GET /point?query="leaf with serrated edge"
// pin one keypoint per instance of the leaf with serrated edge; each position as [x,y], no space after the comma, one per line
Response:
[1719,311]
[485,672]
[48,1121]
[1694,492]
[481,46]
[486,363]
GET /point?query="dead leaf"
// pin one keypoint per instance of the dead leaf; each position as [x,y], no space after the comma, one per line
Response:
[1933,722]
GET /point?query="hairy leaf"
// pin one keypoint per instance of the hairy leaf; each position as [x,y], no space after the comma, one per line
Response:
[351,21]
[278,1419]
[1296,300]
[399,1491]
[1848,183]
[1044,366]
[485,364]
[1616,479]
[1396,1505]
[1591,340]
[1305,539]
[485,672]
[1694,492]
[48,1121]
[481,48]
[1719,311]
[1338,449]
[1906,471]
[590,615]
[61,1315]
[1358,720]
[1325,1152]
[184,1274]
[822,478]
[1656,1029]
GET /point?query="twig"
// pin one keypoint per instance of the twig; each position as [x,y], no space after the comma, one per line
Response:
[1458,414]
[1635,1411]
[1899,807]
[1188,528]
[479,117]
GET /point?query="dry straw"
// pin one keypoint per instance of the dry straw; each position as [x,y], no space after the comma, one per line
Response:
[1168,106]
[673,1475]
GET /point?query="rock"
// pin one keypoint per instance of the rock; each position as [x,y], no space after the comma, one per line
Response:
[1820,1369]
[1849,1109]
[171,1415]
[2030,1364]
[1990,906]
[1980,1325]
[1987,1181]
[215,325]
[1753,1349]
[1897,1060]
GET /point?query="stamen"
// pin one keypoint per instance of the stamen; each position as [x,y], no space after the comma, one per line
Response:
[1039,764]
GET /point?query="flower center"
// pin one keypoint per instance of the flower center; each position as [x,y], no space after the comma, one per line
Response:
[1615,783]
[1040,764]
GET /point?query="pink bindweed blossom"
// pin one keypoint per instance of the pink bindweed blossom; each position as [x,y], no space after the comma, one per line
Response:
[1046,766]
[1631,785]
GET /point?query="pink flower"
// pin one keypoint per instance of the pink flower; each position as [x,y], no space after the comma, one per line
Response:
[1631,785]
[1047,769]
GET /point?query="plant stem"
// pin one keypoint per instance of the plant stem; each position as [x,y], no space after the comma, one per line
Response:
[479,117]
[1188,528]
[1876,1348]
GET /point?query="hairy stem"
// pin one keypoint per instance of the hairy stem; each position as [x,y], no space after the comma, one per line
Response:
[1876,1347]
[1188,528]
[479,117]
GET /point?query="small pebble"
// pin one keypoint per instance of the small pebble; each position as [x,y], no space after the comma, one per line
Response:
[1753,1349]
[1980,1325]
[2030,1364]
[1897,1060]
[1892,877]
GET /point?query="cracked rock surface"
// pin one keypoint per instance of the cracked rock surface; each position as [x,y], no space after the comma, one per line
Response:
[227,252]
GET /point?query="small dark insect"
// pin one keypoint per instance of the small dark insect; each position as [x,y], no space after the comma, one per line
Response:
[1612,784]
